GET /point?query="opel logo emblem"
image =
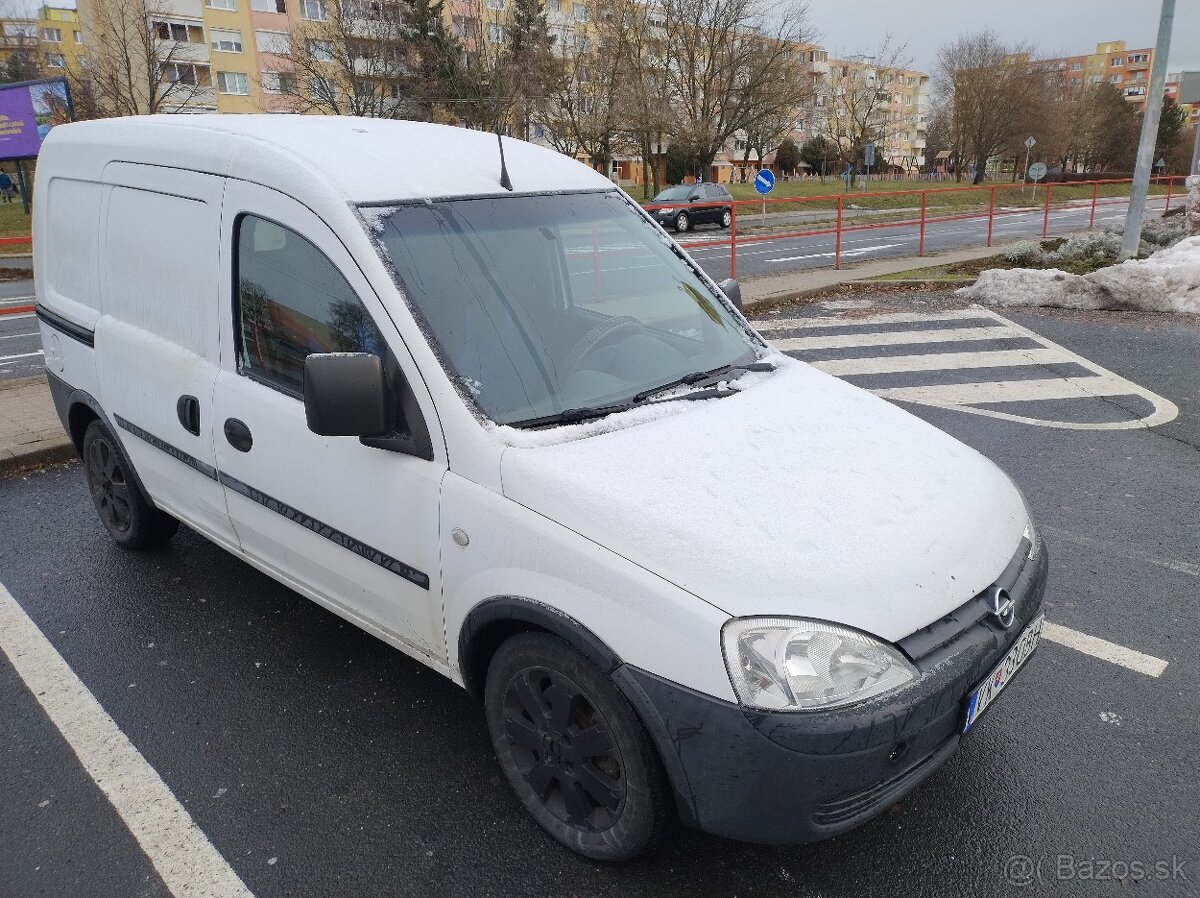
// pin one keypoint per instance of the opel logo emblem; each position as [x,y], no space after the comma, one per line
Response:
[1002,606]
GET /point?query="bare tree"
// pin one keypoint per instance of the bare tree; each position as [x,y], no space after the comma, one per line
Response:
[862,108]
[639,33]
[988,85]
[358,61]
[724,55]
[142,60]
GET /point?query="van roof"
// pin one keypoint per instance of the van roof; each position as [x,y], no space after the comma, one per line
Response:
[366,160]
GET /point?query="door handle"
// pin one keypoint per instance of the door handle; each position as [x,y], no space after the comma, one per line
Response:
[188,410]
[238,435]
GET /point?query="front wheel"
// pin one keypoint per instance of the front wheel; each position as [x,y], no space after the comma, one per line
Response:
[574,751]
[683,223]
[129,517]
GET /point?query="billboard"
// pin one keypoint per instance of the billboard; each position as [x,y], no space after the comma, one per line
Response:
[28,111]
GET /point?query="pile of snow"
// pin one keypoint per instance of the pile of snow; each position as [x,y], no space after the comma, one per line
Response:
[1168,281]
[1105,243]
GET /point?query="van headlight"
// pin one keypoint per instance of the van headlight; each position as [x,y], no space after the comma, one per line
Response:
[791,664]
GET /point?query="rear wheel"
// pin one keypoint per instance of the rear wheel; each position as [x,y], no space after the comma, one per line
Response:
[682,222]
[128,516]
[574,751]
[726,219]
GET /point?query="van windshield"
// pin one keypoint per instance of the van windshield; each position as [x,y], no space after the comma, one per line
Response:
[564,306]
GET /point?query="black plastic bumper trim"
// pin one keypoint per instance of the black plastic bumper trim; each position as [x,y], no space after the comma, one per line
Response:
[385,561]
[75,331]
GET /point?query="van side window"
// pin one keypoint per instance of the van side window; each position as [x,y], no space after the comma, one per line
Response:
[292,301]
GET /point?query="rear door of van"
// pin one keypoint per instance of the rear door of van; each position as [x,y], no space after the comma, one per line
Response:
[352,526]
[157,350]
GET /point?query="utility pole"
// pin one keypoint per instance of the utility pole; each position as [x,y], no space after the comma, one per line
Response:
[1145,154]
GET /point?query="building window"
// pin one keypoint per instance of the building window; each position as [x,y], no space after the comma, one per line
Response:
[78,36]
[233,83]
[1117,62]
[1077,67]
[579,12]
[226,41]
[221,4]
[176,31]
[55,61]
[314,10]
[292,301]
[495,4]
[269,5]
[277,43]
[1115,79]
[52,35]
[322,89]
[321,51]
[186,73]
[495,33]
[278,82]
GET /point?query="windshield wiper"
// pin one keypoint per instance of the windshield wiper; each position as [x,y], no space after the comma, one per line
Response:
[709,380]
[699,377]
[574,415]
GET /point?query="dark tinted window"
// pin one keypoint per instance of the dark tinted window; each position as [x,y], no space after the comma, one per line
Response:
[292,301]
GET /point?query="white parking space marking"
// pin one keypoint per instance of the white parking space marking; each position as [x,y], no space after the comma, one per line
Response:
[945,395]
[1104,650]
[187,862]
[771,325]
[978,391]
[1001,358]
[893,338]
[5,359]
[861,251]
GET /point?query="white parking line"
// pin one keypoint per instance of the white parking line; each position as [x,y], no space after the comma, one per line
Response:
[20,355]
[186,861]
[1104,650]
[769,325]
[1000,358]
[894,338]
[943,395]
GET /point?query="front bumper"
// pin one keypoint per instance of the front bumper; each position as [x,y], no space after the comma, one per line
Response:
[787,778]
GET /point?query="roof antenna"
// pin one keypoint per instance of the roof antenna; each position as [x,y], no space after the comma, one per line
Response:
[504,181]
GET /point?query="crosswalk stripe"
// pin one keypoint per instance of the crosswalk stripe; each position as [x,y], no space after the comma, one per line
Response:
[1011,391]
[971,397]
[895,338]
[943,361]
[777,324]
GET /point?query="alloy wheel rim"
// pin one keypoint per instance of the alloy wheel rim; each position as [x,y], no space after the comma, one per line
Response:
[726,219]
[563,748]
[108,484]
[681,222]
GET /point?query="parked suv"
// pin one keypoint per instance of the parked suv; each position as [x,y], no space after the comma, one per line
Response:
[686,205]
[485,411]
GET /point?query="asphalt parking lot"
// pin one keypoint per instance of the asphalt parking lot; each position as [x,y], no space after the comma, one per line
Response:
[314,760]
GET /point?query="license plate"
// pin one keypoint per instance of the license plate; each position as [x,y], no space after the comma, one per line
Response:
[985,693]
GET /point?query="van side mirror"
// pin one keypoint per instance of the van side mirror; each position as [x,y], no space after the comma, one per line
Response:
[733,292]
[344,394]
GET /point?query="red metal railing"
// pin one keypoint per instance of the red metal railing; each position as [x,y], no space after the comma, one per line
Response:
[829,213]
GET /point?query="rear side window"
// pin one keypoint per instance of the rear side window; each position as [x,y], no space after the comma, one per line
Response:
[292,301]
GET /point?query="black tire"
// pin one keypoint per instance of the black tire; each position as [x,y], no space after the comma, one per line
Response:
[726,219]
[545,705]
[682,223]
[128,516]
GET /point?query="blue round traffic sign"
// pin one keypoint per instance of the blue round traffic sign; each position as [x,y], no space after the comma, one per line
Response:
[764,181]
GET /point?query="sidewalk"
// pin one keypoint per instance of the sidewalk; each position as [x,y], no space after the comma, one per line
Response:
[30,432]
[776,287]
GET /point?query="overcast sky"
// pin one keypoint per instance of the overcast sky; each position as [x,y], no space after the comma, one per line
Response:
[1056,27]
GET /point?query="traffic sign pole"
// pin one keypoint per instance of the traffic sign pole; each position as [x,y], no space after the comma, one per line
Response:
[1029,142]
[764,183]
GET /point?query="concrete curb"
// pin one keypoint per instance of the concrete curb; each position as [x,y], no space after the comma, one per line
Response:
[45,454]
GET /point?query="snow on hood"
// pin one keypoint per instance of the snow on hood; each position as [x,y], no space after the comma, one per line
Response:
[802,495]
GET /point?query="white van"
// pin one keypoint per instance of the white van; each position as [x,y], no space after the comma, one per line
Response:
[464,393]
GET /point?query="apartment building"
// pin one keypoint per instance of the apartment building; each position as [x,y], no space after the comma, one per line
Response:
[1171,89]
[1127,70]
[51,41]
